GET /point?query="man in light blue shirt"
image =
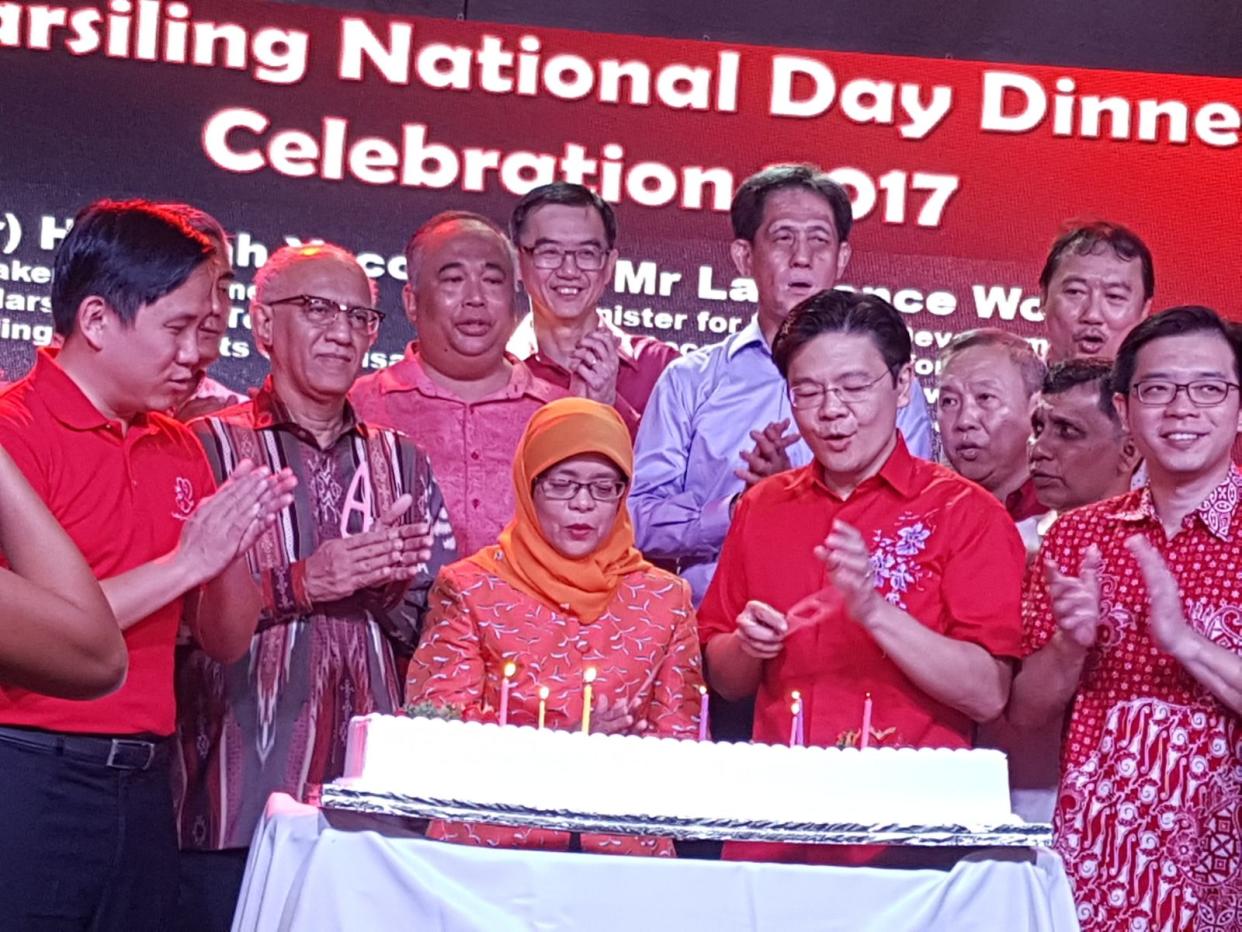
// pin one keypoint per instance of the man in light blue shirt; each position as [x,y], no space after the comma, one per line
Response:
[719,419]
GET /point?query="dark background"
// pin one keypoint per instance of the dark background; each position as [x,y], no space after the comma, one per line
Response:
[1175,36]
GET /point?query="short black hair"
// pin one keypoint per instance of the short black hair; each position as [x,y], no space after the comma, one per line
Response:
[1071,373]
[833,311]
[1084,239]
[746,212]
[563,192]
[200,220]
[1176,321]
[130,253]
[1030,366]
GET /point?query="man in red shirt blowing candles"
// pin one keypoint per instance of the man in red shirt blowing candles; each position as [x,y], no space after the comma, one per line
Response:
[918,570]
[89,836]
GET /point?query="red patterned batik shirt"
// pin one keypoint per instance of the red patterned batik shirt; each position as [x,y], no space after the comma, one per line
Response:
[1148,816]
[644,647]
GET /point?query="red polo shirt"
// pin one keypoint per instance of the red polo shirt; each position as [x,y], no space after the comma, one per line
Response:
[123,499]
[943,549]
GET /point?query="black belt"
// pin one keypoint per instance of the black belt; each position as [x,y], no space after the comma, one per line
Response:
[118,753]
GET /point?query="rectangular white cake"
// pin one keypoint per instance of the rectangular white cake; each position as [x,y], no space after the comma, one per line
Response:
[630,776]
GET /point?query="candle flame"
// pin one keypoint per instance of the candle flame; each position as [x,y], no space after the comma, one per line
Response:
[588,675]
[543,692]
[702,690]
[795,695]
[795,707]
[868,695]
[510,669]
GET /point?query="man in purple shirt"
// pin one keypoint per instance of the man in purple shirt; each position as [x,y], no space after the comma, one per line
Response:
[719,419]
[457,393]
[566,236]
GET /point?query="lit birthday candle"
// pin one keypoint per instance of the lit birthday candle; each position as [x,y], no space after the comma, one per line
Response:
[543,705]
[509,670]
[703,713]
[795,711]
[865,740]
[588,677]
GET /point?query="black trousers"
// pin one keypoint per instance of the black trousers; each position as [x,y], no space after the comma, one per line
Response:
[85,844]
[211,882]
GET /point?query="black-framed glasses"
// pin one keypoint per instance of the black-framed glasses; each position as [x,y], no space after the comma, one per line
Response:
[323,312]
[1203,393]
[809,396]
[587,258]
[562,490]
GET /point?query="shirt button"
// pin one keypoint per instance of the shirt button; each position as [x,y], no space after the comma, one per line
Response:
[474,454]
[475,503]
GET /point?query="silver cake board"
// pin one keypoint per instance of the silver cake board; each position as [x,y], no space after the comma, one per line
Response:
[1008,835]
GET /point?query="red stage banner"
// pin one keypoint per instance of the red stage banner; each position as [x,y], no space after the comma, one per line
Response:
[291,123]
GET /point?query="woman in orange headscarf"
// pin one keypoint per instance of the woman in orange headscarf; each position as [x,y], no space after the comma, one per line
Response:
[564,590]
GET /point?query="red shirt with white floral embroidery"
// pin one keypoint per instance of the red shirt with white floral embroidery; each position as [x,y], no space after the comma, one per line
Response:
[942,548]
[1148,816]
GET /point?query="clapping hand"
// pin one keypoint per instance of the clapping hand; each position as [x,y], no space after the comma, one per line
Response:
[227,523]
[593,366]
[389,551]
[769,455]
[844,552]
[1166,619]
[1076,599]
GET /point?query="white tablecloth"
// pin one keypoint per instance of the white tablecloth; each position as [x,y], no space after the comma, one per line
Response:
[368,873]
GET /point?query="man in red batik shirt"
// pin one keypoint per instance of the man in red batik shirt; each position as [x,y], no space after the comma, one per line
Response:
[1135,626]
[920,570]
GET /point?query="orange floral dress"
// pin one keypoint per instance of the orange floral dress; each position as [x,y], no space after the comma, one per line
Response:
[644,647]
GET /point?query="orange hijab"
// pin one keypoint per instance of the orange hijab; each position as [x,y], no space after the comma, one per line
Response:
[561,429]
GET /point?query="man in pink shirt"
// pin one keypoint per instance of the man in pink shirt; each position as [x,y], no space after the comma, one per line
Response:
[457,393]
[566,236]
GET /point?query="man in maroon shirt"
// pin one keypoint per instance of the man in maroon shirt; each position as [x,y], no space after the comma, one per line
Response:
[917,571]
[566,237]
[989,384]
[89,837]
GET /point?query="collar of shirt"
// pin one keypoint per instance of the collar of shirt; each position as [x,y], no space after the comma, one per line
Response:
[1216,511]
[268,412]
[1022,502]
[68,403]
[750,335]
[409,375]
[525,345]
[898,472]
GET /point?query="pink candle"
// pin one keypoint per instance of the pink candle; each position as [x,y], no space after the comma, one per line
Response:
[795,723]
[865,739]
[703,713]
[510,669]
[799,719]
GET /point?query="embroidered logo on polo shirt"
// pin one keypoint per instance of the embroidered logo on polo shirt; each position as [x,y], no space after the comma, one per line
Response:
[183,492]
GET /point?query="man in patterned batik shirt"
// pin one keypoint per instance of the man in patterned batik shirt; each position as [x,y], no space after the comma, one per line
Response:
[345,574]
[1135,625]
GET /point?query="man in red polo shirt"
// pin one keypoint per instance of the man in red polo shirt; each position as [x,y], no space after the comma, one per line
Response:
[90,840]
[919,570]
